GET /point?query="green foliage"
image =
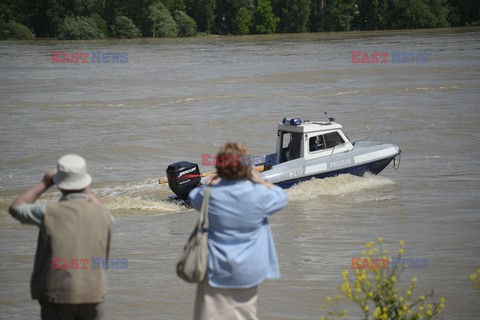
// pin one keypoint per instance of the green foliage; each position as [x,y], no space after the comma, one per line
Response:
[203,12]
[101,24]
[124,28]
[79,28]
[47,18]
[163,24]
[293,14]
[174,5]
[339,15]
[374,287]
[187,27]
[243,21]
[15,30]
[475,278]
[264,19]
[372,14]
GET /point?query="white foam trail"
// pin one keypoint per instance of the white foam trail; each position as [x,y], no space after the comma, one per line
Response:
[336,186]
[138,203]
[144,195]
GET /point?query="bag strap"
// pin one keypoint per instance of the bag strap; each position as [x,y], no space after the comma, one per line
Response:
[203,222]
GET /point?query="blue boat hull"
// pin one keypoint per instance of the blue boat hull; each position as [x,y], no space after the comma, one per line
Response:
[372,167]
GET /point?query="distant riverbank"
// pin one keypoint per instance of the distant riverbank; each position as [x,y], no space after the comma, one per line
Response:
[314,36]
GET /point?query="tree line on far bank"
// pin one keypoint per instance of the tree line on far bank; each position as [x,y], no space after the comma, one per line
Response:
[97,19]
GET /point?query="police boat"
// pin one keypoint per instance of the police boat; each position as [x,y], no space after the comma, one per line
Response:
[305,150]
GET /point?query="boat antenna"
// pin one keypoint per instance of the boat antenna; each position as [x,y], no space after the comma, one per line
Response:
[329,119]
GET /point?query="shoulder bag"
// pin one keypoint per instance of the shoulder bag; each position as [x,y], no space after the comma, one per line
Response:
[193,264]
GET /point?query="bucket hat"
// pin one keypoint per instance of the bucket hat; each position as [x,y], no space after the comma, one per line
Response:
[72,173]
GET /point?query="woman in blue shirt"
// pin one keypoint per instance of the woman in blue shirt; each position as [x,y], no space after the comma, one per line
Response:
[241,249]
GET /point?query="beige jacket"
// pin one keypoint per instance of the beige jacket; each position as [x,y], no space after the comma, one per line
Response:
[74,232]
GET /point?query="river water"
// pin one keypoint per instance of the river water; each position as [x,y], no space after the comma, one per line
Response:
[176,99]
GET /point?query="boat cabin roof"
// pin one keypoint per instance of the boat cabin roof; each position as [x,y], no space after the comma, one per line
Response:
[309,126]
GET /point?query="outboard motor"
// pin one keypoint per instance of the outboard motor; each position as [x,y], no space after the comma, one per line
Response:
[183,177]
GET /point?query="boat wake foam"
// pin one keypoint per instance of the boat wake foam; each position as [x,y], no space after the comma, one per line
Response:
[336,186]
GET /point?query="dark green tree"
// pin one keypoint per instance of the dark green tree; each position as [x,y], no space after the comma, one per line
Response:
[79,28]
[317,15]
[226,13]
[174,5]
[339,15]
[243,21]
[464,12]
[187,27]
[293,14]
[203,12]
[410,14]
[163,24]
[264,19]
[125,28]
[372,14]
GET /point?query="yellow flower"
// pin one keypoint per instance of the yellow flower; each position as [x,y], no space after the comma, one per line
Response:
[429,313]
[376,313]
[384,309]
[420,308]
[370,253]
[414,280]
[400,251]
[401,243]
[409,293]
[345,274]
[345,312]
[363,253]
[393,279]
[323,318]
[328,299]
[368,245]
[442,300]
[366,308]
[441,306]
[370,294]
[379,239]
[322,306]
[422,298]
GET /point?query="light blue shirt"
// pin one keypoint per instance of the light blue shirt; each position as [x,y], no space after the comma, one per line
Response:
[241,248]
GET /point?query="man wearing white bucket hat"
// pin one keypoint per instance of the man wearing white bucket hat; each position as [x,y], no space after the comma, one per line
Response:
[73,230]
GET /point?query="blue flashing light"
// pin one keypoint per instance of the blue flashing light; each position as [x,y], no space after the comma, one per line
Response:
[292,121]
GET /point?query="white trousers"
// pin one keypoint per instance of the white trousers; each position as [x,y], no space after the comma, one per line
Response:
[225,304]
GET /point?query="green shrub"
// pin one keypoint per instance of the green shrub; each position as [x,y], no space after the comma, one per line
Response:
[79,28]
[375,288]
[475,278]
[187,27]
[101,24]
[243,21]
[124,28]
[16,30]
[163,24]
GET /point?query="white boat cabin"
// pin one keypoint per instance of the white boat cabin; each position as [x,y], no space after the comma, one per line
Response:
[310,139]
